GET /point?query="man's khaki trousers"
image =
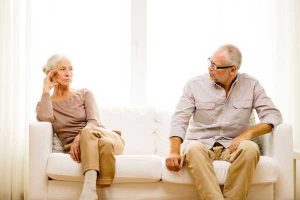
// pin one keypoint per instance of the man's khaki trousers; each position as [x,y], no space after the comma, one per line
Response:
[198,159]
[98,147]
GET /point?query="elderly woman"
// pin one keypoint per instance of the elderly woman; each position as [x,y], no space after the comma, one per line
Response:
[74,116]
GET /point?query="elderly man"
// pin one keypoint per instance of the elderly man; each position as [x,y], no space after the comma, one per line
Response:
[220,105]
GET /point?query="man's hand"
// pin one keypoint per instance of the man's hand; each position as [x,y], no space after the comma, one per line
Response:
[235,143]
[252,132]
[174,162]
[75,149]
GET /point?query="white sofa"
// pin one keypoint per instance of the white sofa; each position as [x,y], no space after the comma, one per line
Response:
[140,171]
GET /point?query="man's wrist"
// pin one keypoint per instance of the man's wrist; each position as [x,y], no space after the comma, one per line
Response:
[247,135]
[175,145]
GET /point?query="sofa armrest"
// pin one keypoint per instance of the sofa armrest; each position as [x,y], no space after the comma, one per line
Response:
[40,147]
[279,145]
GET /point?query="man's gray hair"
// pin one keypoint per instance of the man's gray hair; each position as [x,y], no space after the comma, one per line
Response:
[52,62]
[233,54]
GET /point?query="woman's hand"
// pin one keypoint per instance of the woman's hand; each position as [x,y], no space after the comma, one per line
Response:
[75,149]
[49,81]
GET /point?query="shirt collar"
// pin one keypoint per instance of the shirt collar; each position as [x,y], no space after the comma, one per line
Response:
[234,81]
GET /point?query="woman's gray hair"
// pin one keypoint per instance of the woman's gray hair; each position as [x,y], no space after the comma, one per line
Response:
[52,62]
[233,54]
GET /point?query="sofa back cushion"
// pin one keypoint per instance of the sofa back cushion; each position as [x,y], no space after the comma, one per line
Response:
[137,125]
[163,120]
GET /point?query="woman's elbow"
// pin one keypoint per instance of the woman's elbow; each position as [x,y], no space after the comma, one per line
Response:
[45,118]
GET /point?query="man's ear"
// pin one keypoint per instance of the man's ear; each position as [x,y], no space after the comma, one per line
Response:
[234,69]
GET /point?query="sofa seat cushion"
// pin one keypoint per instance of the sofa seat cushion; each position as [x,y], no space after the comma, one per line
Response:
[266,172]
[129,168]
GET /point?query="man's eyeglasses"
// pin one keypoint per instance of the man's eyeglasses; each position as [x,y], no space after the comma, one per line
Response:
[215,67]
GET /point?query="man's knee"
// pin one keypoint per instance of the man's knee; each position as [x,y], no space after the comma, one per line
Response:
[250,148]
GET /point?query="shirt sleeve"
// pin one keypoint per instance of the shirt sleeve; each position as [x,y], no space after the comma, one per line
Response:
[44,109]
[91,109]
[265,108]
[183,112]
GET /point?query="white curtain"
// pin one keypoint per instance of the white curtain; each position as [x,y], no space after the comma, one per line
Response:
[13,97]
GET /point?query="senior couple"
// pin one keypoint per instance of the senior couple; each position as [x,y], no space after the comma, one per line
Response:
[212,117]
